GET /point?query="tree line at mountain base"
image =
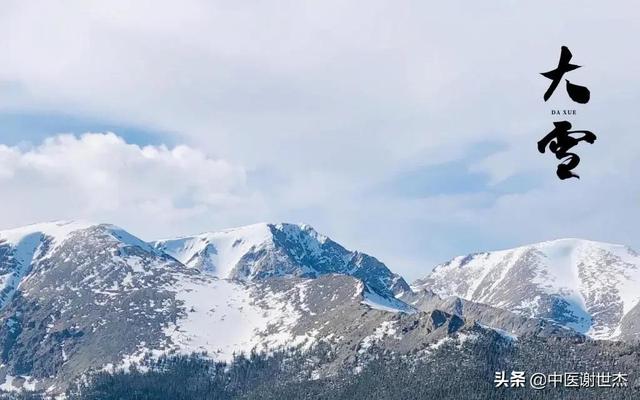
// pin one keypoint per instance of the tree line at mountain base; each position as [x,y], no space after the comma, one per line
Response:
[453,370]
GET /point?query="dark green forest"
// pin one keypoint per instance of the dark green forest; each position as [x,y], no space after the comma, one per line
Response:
[452,371]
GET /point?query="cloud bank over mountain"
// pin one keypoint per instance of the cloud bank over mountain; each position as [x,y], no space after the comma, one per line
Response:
[414,121]
[100,176]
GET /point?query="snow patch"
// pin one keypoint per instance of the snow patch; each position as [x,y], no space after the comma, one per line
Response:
[223,318]
[378,302]
[18,383]
[217,252]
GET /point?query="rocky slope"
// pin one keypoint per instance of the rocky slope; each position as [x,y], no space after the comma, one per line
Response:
[503,321]
[591,287]
[80,297]
[261,251]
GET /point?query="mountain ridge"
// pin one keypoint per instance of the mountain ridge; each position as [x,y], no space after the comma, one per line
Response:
[249,253]
[78,296]
[587,285]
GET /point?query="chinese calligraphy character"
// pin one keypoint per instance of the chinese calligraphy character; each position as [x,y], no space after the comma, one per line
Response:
[603,379]
[588,380]
[579,94]
[620,380]
[572,379]
[517,379]
[500,379]
[555,379]
[559,141]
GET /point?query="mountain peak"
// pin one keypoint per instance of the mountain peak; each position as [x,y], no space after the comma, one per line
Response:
[262,251]
[26,239]
[574,243]
[586,285]
[219,252]
[554,247]
[56,229]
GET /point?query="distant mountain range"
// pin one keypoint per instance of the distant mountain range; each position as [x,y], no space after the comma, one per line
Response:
[591,287]
[77,297]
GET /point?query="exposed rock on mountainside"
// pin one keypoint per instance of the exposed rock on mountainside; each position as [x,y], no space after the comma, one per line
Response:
[588,286]
[79,297]
[261,251]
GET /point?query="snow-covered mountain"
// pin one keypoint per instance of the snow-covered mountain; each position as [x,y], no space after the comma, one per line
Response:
[76,297]
[591,287]
[80,297]
[22,248]
[261,251]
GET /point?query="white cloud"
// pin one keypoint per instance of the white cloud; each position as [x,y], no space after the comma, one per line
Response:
[302,82]
[317,103]
[150,189]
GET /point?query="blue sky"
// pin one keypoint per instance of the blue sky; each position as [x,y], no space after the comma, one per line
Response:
[28,128]
[406,130]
